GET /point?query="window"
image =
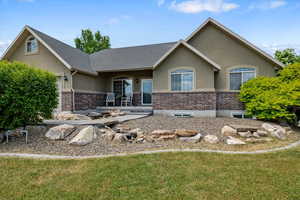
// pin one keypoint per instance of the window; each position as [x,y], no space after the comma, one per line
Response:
[241,116]
[239,76]
[31,45]
[182,80]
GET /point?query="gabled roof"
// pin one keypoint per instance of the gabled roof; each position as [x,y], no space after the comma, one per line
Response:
[129,58]
[189,47]
[238,37]
[72,58]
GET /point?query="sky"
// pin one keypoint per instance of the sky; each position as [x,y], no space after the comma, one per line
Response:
[269,24]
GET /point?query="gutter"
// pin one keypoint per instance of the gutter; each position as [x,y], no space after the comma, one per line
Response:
[73,91]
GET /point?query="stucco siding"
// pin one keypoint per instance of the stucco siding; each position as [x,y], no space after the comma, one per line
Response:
[43,59]
[228,52]
[183,58]
[87,83]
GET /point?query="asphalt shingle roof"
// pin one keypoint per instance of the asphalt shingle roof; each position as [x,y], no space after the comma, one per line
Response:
[115,59]
[129,58]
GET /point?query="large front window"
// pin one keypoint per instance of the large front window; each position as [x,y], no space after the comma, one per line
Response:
[31,45]
[182,80]
[239,76]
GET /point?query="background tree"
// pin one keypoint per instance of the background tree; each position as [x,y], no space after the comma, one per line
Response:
[273,98]
[27,95]
[91,43]
[287,56]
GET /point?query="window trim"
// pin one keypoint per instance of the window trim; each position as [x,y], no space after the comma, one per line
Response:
[239,67]
[26,43]
[182,68]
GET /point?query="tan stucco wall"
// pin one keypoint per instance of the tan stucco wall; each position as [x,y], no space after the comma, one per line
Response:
[82,82]
[183,58]
[43,59]
[228,52]
[136,77]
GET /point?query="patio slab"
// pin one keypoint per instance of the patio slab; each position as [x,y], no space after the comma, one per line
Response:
[99,122]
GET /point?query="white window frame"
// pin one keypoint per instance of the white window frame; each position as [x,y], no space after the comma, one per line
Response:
[242,72]
[182,73]
[142,102]
[26,45]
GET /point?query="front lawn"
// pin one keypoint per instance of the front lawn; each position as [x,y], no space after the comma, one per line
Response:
[158,176]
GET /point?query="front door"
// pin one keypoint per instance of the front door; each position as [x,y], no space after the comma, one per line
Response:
[146,91]
[122,87]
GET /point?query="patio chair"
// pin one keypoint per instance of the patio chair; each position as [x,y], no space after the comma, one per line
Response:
[110,98]
[127,100]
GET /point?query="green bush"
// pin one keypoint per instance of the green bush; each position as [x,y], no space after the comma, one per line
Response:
[27,95]
[273,98]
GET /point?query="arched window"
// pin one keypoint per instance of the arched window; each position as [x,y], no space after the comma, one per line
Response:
[182,80]
[238,76]
[31,45]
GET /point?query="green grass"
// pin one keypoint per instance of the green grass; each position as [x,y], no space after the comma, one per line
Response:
[158,176]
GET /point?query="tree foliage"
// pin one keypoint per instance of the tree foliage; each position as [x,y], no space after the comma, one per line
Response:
[273,98]
[287,56]
[91,43]
[27,95]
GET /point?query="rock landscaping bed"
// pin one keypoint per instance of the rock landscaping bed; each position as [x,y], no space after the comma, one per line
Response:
[150,133]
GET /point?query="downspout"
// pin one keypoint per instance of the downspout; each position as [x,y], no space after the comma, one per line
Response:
[73,91]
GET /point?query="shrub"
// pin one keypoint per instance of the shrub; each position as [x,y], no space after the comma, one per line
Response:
[273,98]
[27,95]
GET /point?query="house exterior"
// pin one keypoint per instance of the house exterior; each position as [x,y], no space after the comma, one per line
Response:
[199,76]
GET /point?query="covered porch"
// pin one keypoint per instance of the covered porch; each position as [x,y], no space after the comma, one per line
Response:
[128,89]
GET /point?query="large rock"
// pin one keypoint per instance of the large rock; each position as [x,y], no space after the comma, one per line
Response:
[167,137]
[259,140]
[71,116]
[212,139]
[228,131]
[60,132]
[85,136]
[262,133]
[245,134]
[120,138]
[159,133]
[244,128]
[234,141]
[275,130]
[194,139]
[186,133]
[108,136]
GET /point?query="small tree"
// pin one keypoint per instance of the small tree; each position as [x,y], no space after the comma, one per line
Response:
[27,95]
[91,43]
[273,98]
[287,56]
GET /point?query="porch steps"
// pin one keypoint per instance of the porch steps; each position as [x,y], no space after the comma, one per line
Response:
[129,110]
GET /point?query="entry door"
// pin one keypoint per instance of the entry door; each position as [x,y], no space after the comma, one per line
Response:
[147,91]
[122,88]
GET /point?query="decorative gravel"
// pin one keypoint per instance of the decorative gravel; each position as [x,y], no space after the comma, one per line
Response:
[38,143]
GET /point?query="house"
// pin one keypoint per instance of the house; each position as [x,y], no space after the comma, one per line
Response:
[198,76]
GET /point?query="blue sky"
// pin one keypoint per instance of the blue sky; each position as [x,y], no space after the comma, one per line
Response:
[270,24]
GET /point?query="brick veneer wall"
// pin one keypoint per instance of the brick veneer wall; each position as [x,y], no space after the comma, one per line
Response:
[229,101]
[184,101]
[197,101]
[85,101]
[137,100]
[66,101]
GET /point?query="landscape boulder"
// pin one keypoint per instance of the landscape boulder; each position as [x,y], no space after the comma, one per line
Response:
[212,139]
[234,141]
[60,132]
[262,133]
[108,136]
[245,134]
[85,136]
[193,139]
[120,138]
[159,133]
[186,133]
[228,131]
[275,130]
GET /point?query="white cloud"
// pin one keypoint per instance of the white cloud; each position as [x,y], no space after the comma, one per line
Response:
[271,48]
[268,4]
[3,46]
[117,20]
[197,6]
[160,2]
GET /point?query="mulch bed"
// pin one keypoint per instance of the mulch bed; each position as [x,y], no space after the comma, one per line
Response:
[39,144]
